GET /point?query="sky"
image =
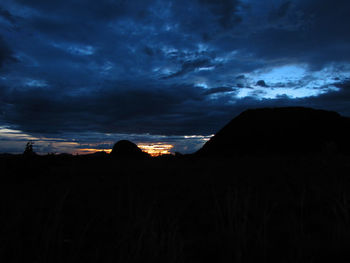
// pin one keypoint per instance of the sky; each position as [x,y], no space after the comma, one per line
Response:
[78,75]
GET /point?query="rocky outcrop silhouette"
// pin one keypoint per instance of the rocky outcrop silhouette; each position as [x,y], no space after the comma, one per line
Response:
[286,130]
[127,149]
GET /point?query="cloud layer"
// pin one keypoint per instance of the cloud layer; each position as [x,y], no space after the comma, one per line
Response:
[171,68]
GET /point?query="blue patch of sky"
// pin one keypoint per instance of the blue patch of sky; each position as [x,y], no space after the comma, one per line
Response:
[294,81]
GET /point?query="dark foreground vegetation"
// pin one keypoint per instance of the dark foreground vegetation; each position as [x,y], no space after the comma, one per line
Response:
[272,186]
[291,208]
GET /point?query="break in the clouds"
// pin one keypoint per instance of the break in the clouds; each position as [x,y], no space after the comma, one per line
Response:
[166,71]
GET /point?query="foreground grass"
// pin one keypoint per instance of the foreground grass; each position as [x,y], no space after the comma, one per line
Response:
[244,209]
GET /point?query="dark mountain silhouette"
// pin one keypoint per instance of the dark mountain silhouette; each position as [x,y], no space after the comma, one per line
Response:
[127,149]
[281,130]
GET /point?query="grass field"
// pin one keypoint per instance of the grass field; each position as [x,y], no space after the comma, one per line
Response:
[244,209]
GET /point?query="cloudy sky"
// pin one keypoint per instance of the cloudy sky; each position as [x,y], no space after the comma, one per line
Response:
[78,75]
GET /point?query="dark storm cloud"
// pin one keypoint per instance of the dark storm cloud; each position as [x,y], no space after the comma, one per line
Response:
[155,111]
[225,10]
[261,83]
[310,31]
[7,15]
[162,67]
[6,53]
[218,90]
[94,10]
[280,12]
[121,110]
[189,66]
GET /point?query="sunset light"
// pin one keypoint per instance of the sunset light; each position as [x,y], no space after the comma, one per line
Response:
[91,150]
[156,149]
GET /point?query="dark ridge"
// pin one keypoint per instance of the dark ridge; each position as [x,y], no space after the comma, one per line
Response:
[99,154]
[281,131]
[127,149]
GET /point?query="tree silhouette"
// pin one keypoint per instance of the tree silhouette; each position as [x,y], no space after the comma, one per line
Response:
[28,151]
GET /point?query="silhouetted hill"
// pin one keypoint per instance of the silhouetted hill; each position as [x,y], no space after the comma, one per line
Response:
[281,130]
[251,208]
[127,149]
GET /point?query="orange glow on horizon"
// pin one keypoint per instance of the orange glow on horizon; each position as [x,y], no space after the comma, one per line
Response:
[156,149]
[92,150]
